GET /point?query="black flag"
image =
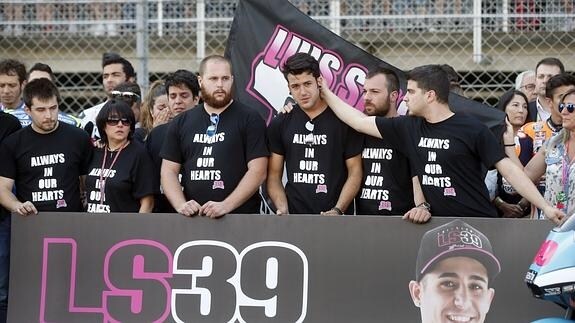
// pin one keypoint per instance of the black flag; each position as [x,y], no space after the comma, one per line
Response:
[265,33]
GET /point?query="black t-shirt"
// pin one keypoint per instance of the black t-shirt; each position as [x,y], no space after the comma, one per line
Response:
[450,157]
[125,183]
[46,167]
[154,144]
[316,171]
[386,188]
[8,125]
[140,135]
[213,166]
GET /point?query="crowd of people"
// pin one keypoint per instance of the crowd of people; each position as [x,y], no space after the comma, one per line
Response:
[187,146]
[112,18]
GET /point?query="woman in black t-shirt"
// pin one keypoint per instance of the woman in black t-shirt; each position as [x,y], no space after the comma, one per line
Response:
[119,174]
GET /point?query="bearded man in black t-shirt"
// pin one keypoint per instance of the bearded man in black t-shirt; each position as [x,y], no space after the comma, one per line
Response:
[449,152]
[45,159]
[219,147]
[388,185]
[322,155]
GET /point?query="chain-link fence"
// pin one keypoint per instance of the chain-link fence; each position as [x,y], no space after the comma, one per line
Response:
[487,42]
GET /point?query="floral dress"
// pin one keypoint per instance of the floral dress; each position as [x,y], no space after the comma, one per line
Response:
[559,176]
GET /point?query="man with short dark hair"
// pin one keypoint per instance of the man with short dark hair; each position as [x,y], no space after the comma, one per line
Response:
[540,109]
[449,151]
[455,267]
[321,154]
[40,70]
[388,187]
[12,81]
[115,70]
[218,147]
[45,160]
[183,90]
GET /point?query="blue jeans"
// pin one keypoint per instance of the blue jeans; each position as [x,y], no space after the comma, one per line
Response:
[4,266]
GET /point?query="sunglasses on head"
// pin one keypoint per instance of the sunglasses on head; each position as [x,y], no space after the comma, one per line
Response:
[213,127]
[125,95]
[569,106]
[116,121]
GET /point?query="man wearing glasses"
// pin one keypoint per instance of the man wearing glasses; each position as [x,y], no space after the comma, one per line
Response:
[219,147]
[525,82]
[115,70]
[322,155]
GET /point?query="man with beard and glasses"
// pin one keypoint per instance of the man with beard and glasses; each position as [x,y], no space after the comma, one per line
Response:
[45,159]
[183,92]
[219,147]
[322,155]
[388,187]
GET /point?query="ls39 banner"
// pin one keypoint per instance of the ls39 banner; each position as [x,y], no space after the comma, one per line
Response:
[252,268]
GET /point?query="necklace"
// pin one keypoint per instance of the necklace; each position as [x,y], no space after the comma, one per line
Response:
[103,168]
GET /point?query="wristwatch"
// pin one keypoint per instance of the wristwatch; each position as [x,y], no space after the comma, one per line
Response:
[426,206]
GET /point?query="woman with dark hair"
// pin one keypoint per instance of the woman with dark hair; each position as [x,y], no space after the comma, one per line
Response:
[509,204]
[555,159]
[119,179]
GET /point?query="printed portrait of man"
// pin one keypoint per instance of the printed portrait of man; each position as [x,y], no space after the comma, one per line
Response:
[454,271]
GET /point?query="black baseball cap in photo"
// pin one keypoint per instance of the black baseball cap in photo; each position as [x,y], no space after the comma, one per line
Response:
[455,239]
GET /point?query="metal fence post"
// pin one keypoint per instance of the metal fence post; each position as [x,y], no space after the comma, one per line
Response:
[477,36]
[142,50]
[201,34]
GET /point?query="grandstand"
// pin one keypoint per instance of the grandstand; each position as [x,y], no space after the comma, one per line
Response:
[487,42]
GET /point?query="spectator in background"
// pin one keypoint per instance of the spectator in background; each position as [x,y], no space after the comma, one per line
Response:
[537,133]
[40,70]
[540,109]
[322,155]
[219,147]
[119,173]
[12,81]
[508,202]
[130,93]
[183,94]
[154,110]
[555,160]
[8,125]
[454,81]
[525,82]
[115,70]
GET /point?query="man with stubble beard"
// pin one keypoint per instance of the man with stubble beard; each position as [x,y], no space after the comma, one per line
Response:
[388,187]
[219,147]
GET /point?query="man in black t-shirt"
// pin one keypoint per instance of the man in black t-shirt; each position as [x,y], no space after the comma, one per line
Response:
[448,151]
[183,92]
[44,160]
[322,155]
[8,125]
[218,147]
[388,187]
